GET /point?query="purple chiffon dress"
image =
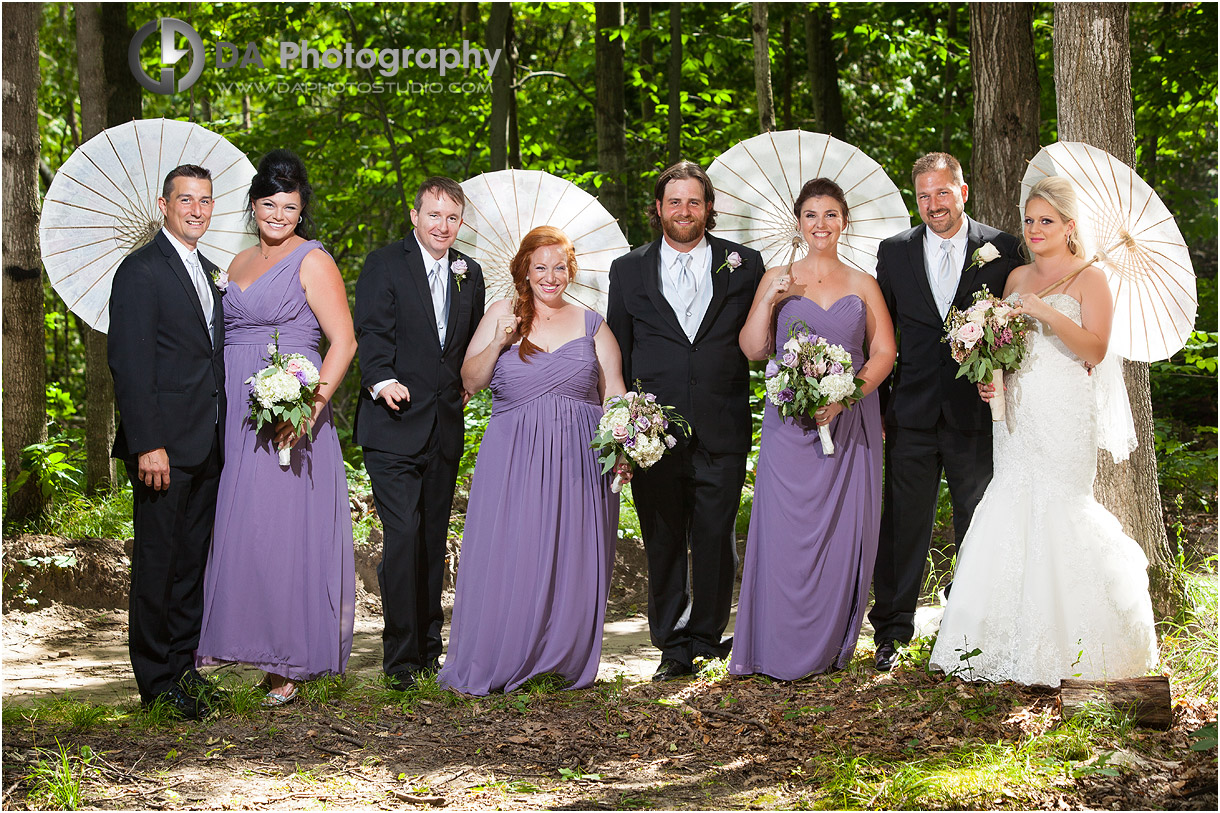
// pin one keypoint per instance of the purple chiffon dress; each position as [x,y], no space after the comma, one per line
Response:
[814,524]
[538,550]
[279,592]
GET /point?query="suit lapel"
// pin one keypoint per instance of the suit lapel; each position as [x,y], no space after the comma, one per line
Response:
[179,268]
[651,274]
[720,284]
[218,311]
[459,305]
[974,241]
[418,276]
[919,268]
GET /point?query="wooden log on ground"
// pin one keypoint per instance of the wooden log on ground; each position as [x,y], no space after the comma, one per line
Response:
[1148,698]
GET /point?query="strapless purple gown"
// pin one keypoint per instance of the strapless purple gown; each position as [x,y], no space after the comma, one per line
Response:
[279,592]
[814,524]
[538,550]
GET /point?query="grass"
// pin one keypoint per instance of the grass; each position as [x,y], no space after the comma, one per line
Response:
[56,779]
[107,516]
[1189,641]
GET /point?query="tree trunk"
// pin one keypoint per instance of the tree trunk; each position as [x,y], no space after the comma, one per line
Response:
[950,83]
[648,56]
[1093,96]
[785,91]
[510,56]
[24,373]
[762,70]
[1006,109]
[675,83]
[1148,699]
[823,71]
[501,86]
[611,115]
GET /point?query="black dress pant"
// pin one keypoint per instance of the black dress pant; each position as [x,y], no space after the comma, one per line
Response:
[914,459]
[414,496]
[688,501]
[173,535]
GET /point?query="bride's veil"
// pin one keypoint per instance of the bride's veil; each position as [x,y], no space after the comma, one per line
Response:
[1115,426]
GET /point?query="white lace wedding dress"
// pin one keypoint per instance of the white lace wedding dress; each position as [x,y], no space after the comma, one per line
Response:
[1047,585]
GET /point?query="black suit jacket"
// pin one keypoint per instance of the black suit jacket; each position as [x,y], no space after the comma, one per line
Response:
[169,377]
[707,380]
[397,336]
[924,384]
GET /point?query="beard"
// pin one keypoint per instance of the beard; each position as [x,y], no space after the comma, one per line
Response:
[683,232]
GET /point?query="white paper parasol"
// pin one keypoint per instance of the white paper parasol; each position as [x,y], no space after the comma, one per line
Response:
[1130,234]
[757,182]
[501,208]
[102,205]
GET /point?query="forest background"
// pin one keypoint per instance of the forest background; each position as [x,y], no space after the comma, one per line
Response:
[653,82]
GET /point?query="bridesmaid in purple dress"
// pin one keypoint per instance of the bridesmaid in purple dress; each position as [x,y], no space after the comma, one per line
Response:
[538,549]
[815,520]
[279,592]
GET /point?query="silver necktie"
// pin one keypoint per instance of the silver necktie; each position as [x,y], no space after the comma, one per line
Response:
[686,286]
[945,276]
[202,289]
[436,284]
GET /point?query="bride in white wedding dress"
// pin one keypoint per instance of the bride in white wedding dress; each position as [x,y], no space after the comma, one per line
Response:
[1047,585]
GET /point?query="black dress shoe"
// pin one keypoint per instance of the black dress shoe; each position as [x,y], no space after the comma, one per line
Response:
[887,656]
[184,705]
[671,669]
[401,681]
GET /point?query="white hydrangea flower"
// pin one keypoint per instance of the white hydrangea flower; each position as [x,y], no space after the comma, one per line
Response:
[837,387]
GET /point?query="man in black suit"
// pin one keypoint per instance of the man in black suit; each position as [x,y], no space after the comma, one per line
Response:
[165,350]
[418,302]
[934,421]
[676,306]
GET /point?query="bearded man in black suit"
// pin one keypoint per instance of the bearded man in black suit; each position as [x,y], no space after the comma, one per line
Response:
[418,302]
[676,306]
[165,349]
[934,421]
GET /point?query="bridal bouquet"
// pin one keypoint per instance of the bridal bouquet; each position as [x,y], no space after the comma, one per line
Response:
[986,339]
[809,374]
[636,427]
[284,390]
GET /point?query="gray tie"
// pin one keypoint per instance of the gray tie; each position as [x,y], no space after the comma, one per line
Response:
[945,277]
[436,284]
[202,289]
[686,289]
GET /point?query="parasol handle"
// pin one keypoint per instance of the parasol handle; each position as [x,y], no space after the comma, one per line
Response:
[1067,278]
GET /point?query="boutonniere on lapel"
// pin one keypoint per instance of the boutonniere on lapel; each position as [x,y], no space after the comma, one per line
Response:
[458,269]
[731,262]
[983,255]
[220,278]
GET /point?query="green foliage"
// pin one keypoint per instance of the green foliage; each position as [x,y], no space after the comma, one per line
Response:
[53,465]
[56,778]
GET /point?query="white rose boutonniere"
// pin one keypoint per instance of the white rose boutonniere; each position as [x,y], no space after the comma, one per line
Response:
[458,269]
[732,262]
[983,255]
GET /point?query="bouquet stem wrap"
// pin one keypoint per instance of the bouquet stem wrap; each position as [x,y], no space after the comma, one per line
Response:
[828,446]
[997,401]
[285,456]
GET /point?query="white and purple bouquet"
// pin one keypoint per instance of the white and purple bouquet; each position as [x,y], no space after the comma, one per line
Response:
[987,339]
[634,426]
[809,373]
[284,390]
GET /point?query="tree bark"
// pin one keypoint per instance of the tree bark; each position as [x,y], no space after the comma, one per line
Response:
[674,145]
[611,114]
[501,86]
[24,361]
[785,90]
[1148,699]
[1007,109]
[648,57]
[1093,96]
[762,69]
[823,71]
[510,56]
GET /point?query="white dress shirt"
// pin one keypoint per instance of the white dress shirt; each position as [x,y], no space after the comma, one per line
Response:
[689,316]
[931,258]
[199,277]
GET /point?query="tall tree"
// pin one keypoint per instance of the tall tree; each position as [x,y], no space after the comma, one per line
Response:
[648,107]
[498,24]
[24,375]
[785,93]
[109,96]
[1093,96]
[675,83]
[762,69]
[1007,108]
[823,71]
[611,113]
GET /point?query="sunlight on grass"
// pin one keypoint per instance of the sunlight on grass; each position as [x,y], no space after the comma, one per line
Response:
[106,517]
[1189,642]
